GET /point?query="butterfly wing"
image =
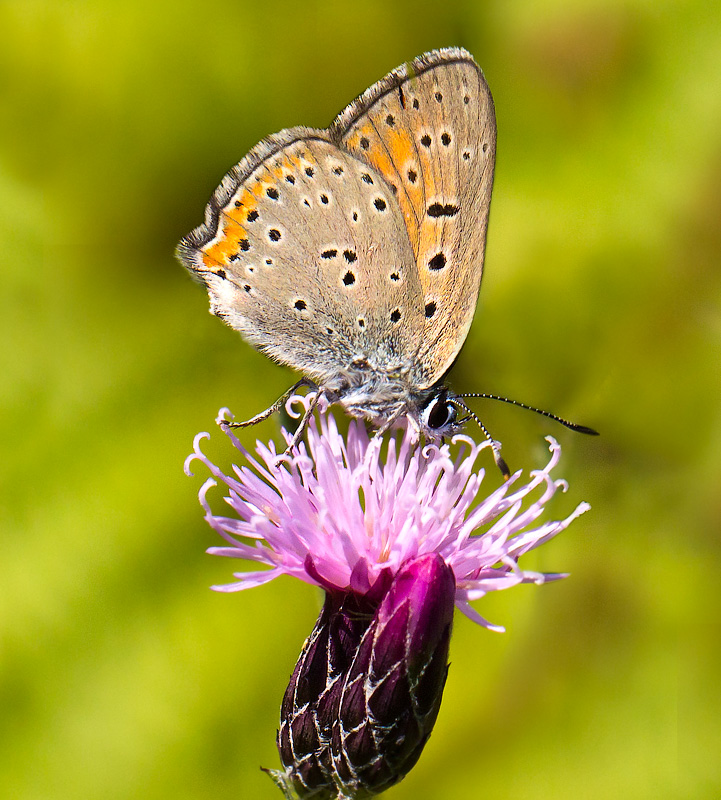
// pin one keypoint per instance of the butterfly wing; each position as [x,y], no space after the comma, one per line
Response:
[304,250]
[429,128]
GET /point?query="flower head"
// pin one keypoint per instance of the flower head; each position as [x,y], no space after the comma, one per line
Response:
[337,514]
[395,540]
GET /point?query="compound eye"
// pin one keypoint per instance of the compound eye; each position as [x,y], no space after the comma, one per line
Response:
[440,413]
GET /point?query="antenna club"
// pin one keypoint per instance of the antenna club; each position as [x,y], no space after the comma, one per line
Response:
[567,423]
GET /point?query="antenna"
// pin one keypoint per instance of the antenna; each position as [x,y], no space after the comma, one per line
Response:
[495,446]
[572,425]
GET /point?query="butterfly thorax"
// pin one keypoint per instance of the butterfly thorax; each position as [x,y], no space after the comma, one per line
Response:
[373,395]
[383,397]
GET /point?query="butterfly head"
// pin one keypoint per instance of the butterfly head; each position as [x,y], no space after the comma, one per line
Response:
[438,413]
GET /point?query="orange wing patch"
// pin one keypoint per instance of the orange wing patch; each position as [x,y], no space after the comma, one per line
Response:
[228,241]
[397,162]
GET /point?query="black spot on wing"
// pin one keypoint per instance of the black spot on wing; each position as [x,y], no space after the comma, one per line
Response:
[442,210]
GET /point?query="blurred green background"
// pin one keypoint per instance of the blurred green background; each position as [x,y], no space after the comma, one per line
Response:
[123,676]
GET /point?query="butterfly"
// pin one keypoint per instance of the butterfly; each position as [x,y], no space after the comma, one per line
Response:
[354,254]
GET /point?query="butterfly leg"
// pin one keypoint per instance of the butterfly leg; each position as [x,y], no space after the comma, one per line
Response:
[390,422]
[279,403]
[300,430]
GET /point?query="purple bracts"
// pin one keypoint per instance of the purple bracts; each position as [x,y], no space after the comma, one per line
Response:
[366,690]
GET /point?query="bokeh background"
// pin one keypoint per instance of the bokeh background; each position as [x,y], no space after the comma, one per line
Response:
[123,676]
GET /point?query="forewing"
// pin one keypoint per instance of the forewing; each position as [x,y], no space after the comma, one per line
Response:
[304,250]
[429,128]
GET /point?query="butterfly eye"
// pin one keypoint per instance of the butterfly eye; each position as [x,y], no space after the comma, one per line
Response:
[439,413]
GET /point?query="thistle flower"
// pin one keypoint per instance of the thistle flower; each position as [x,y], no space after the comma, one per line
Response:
[394,542]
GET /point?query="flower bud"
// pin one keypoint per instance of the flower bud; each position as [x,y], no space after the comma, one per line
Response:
[393,689]
[366,690]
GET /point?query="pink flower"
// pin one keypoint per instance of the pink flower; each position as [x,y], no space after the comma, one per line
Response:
[395,540]
[336,514]
[395,534]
